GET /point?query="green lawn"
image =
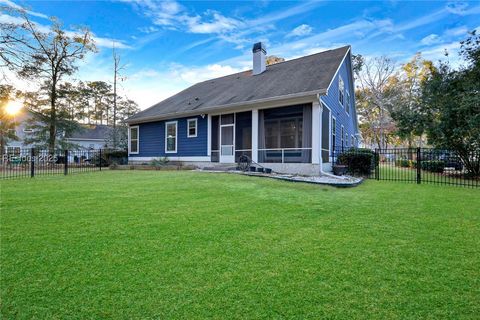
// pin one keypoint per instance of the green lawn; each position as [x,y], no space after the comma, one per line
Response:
[186,245]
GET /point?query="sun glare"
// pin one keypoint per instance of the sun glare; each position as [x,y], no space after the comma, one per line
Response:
[13,107]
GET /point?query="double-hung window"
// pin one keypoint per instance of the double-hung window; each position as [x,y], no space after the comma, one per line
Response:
[347,104]
[334,132]
[343,136]
[171,137]
[341,91]
[191,128]
[134,140]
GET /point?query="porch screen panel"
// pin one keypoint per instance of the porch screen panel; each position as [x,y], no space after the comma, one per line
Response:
[284,133]
[243,134]
[326,135]
[215,152]
[307,133]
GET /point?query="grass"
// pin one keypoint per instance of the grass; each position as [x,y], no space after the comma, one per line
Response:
[186,245]
[391,172]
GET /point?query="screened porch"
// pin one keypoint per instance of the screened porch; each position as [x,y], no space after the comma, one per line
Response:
[284,135]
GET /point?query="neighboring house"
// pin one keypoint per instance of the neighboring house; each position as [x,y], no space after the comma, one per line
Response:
[90,136]
[87,138]
[287,116]
[17,147]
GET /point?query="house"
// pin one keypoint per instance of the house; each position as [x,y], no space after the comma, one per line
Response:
[88,137]
[287,116]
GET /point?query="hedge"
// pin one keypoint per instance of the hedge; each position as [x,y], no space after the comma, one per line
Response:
[358,161]
[433,166]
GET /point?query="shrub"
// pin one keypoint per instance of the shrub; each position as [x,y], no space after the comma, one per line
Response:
[402,163]
[433,166]
[110,156]
[358,161]
[405,163]
[159,162]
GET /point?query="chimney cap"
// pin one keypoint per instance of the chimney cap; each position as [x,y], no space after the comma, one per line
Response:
[259,46]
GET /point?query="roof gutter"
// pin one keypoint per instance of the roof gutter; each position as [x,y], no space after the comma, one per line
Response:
[226,106]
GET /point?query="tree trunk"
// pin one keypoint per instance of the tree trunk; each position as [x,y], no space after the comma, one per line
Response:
[53,117]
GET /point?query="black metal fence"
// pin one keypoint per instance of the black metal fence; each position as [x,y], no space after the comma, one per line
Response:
[414,165]
[31,162]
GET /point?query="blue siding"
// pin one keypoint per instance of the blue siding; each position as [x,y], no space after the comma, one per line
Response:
[337,110]
[152,139]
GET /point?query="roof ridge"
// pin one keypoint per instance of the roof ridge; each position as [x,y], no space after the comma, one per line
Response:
[286,61]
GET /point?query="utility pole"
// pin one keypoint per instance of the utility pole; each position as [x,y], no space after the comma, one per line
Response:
[116,68]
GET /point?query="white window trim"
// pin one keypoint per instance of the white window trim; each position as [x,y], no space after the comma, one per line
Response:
[130,140]
[340,80]
[333,132]
[188,128]
[176,136]
[346,99]
[342,133]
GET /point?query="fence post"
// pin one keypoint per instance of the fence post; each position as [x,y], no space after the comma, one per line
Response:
[100,159]
[377,164]
[419,166]
[32,162]
[65,168]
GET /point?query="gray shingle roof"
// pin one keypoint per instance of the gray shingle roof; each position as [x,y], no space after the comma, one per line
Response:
[306,74]
[99,131]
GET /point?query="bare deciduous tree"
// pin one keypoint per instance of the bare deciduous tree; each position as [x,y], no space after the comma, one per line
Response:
[374,96]
[43,56]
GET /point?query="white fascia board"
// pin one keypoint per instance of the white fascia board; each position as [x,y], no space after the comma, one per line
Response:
[239,106]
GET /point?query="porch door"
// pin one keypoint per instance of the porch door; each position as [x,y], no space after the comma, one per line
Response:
[227,139]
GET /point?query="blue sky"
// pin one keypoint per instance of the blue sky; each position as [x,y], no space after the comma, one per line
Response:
[167,46]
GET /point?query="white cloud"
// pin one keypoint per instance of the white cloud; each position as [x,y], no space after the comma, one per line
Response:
[99,41]
[431,39]
[457,7]
[192,75]
[301,30]
[148,29]
[13,5]
[458,31]
[216,24]
[438,53]
[109,43]
[172,15]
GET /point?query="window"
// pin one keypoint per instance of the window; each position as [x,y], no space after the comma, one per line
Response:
[346,139]
[13,151]
[341,90]
[283,133]
[334,132]
[342,136]
[133,137]
[191,128]
[352,141]
[325,134]
[171,137]
[347,105]
[28,130]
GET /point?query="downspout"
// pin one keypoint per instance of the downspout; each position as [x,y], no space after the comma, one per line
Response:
[321,133]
